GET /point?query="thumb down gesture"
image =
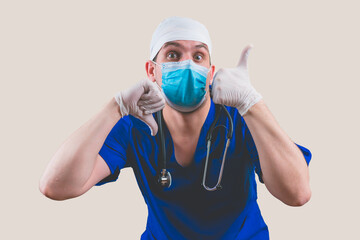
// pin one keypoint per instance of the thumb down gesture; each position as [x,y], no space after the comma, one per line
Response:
[232,87]
[141,101]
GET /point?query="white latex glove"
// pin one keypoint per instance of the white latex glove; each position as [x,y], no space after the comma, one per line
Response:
[141,101]
[232,87]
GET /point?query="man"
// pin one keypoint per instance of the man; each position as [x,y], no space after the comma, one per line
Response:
[179,77]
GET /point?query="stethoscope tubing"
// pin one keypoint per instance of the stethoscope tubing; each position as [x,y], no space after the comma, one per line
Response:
[165,178]
[218,109]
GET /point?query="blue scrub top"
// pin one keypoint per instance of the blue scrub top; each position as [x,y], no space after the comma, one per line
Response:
[186,210]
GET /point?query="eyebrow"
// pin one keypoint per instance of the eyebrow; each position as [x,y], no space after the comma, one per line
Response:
[202,46]
[175,44]
[172,44]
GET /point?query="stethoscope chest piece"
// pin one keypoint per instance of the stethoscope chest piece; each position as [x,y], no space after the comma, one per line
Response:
[165,178]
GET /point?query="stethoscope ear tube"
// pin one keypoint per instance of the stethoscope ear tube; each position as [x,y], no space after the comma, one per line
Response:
[162,140]
[212,126]
[231,124]
[218,109]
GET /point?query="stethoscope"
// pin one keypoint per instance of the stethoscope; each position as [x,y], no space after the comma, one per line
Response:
[165,179]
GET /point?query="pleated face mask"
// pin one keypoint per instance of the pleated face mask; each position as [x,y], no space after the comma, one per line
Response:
[184,84]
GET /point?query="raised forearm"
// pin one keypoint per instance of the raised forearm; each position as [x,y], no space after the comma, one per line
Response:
[73,163]
[284,169]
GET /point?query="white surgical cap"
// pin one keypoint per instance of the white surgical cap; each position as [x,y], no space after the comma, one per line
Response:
[178,28]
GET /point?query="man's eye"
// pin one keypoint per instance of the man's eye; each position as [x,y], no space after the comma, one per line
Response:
[172,55]
[198,57]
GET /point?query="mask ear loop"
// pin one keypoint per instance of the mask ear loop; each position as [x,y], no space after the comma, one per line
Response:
[156,63]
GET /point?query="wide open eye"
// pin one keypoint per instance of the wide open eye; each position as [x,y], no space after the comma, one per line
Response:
[198,57]
[172,55]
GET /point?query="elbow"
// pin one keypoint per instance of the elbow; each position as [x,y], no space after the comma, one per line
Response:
[50,192]
[45,189]
[300,199]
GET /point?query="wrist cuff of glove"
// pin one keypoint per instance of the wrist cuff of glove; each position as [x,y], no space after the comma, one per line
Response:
[252,99]
[123,110]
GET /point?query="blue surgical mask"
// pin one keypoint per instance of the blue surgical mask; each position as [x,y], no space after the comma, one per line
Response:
[184,84]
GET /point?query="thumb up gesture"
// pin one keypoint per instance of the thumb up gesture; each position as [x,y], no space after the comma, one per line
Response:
[232,87]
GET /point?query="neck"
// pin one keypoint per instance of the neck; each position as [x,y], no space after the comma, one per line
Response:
[185,124]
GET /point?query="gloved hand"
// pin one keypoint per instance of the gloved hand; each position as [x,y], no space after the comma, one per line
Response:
[141,101]
[232,87]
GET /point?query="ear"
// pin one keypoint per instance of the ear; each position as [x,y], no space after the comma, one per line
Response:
[212,71]
[150,70]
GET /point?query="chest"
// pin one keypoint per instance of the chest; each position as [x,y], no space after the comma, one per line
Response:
[185,160]
[184,149]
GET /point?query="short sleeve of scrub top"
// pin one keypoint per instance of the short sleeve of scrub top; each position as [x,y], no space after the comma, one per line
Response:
[114,149]
[250,145]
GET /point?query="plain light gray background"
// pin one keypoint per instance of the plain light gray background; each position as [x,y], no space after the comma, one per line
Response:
[61,61]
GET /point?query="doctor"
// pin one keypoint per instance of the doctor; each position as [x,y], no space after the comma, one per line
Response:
[124,134]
